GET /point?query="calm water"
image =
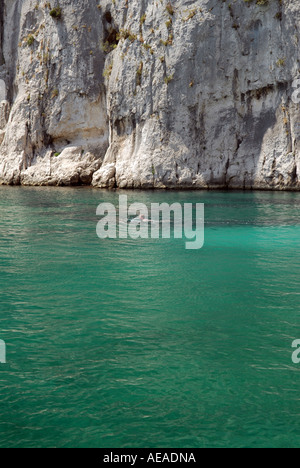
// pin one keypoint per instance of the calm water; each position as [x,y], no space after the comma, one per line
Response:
[142,343]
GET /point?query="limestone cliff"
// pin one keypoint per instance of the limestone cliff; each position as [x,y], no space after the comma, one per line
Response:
[150,93]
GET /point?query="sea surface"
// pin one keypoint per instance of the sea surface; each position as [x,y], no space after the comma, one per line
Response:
[142,343]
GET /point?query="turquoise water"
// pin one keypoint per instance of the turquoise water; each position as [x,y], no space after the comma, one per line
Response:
[123,343]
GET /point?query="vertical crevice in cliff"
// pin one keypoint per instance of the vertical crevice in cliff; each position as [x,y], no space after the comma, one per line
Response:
[2,61]
[12,13]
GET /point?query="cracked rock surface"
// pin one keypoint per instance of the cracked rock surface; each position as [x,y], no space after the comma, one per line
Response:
[150,93]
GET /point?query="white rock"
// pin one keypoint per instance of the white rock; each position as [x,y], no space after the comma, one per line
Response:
[198,99]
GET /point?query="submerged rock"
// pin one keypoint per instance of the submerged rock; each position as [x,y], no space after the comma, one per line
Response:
[142,94]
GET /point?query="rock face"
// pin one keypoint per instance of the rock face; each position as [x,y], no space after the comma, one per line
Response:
[150,93]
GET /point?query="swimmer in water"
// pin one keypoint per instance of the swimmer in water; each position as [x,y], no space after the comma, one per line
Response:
[143,219]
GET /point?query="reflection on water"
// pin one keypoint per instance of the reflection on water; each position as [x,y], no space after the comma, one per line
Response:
[124,343]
